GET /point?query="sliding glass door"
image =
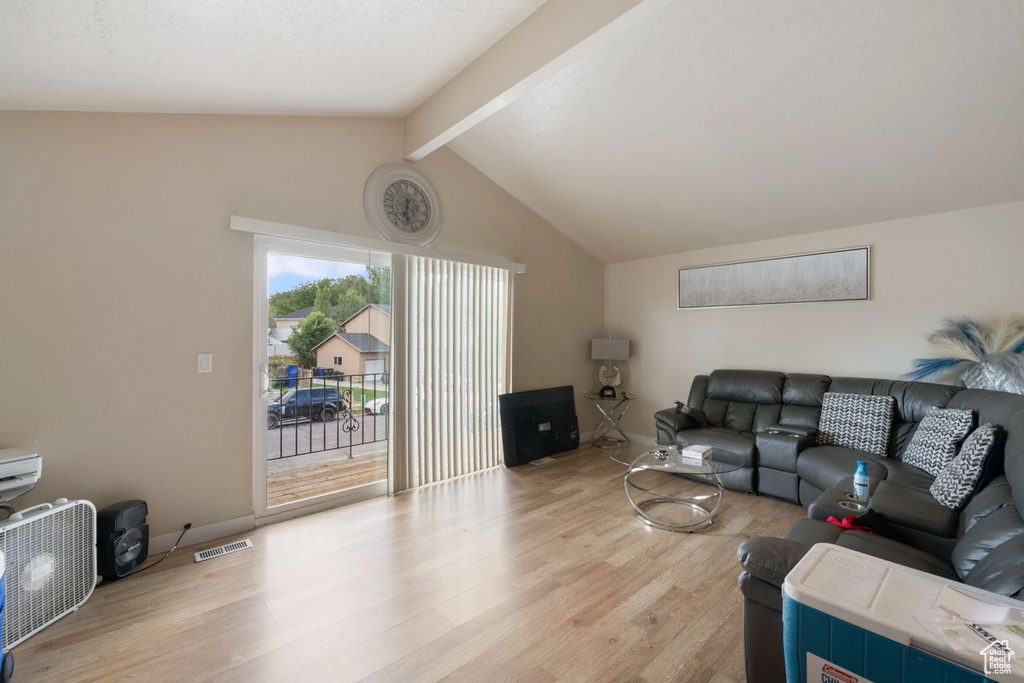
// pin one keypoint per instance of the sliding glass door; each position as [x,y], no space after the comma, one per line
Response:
[322,416]
[360,393]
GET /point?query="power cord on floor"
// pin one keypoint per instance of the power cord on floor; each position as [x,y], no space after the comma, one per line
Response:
[142,569]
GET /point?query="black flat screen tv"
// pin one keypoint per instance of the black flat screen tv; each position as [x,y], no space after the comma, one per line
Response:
[538,423]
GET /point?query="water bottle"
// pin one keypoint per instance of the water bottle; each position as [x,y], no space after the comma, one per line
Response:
[861,481]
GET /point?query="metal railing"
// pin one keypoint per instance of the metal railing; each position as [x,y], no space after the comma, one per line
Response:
[326,412]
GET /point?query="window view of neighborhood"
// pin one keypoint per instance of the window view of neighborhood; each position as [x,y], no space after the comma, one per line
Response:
[328,346]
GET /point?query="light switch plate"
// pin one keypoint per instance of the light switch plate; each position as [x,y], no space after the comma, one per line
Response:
[205,362]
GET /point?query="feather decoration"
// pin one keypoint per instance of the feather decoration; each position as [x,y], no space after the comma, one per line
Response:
[926,367]
[966,341]
[964,334]
[1007,335]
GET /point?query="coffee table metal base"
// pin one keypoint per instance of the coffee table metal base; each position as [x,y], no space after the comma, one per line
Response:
[703,508]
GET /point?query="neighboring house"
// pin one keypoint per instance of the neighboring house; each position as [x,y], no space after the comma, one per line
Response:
[362,348]
[286,322]
[373,319]
[353,353]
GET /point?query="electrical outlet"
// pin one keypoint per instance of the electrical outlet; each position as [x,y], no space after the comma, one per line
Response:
[205,363]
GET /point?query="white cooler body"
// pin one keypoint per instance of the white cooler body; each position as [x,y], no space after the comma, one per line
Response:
[852,618]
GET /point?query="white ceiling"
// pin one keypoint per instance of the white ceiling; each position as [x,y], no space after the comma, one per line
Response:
[327,57]
[669,126]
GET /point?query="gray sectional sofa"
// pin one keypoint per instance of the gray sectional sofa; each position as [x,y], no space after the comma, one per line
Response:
[767,421]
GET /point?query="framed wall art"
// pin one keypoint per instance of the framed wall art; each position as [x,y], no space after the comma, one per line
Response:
[841,275]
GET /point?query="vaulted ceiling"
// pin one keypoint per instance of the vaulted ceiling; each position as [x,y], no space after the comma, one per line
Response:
[636,127]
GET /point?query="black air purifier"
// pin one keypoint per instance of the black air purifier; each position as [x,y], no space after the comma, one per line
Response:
[122,538]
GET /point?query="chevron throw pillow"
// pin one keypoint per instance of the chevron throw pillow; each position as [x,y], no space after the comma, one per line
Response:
[856,421]
[937,438]
[957,480]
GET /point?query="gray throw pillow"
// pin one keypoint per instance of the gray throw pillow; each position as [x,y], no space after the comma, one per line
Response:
[937,437]
[957,480]
[857,421]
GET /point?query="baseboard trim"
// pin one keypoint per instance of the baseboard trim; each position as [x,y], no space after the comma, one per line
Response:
[203,534]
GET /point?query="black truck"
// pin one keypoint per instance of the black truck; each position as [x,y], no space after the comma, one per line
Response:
[320,403]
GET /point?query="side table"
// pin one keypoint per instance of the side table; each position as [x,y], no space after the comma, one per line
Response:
[612,410]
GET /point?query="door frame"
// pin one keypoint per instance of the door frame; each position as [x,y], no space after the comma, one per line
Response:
[263,246]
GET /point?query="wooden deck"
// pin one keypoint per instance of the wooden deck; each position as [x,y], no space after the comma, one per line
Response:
[312,479]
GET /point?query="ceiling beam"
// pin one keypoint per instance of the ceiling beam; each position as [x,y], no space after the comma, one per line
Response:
[559,33]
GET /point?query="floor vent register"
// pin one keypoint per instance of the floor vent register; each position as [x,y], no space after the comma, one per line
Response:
[223,550]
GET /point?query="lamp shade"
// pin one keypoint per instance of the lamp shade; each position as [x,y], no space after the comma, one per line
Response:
[609,349]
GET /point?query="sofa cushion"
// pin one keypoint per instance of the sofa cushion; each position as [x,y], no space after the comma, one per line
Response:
[810,531]
[905,475]
[856,421]
[937,437]
[956,482]
[913,401]
[739,447]
[743,400]
[746,386]
[914,508]
[802,395]
[825,466]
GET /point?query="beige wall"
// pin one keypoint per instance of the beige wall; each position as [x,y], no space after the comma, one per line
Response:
[373,321]
[352,360]
[114,232]
[922,270]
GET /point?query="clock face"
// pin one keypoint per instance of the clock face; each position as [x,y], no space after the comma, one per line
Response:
[401,205]
[406,206]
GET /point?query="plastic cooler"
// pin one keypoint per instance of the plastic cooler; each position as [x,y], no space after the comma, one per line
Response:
[853,618]
[6,658]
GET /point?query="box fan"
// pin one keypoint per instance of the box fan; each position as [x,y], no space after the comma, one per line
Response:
[51,565]
[50,553]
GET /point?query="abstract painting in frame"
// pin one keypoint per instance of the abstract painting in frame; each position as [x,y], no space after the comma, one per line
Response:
[841,275]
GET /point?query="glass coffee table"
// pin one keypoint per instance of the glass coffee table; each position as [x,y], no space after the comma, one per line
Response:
[698,510]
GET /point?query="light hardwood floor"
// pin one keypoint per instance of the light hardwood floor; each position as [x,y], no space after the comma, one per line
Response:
[538,573]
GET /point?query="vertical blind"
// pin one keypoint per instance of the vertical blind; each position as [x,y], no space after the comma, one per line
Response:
[455,362]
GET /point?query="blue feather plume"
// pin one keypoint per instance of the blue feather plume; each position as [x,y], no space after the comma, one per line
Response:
[926,367]
[965,332]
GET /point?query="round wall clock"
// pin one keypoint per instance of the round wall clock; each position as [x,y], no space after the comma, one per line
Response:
[401,205]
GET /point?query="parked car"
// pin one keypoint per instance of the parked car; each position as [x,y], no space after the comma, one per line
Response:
[321,403]
[378,406]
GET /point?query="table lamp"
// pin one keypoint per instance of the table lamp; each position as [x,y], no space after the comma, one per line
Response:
[608,350]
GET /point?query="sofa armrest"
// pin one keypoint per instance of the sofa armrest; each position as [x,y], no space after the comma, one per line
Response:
[793,430]
[778,451]
[770,559]
[674,420]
